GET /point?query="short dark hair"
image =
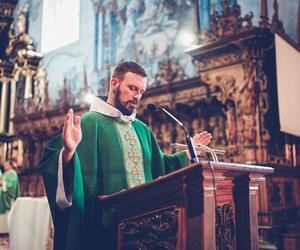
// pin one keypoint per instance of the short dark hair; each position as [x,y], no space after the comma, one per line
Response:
[123,67]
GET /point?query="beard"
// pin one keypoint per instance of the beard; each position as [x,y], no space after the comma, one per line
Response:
[120,106]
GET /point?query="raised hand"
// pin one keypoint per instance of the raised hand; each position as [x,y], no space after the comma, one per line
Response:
[203,138]
[71,135]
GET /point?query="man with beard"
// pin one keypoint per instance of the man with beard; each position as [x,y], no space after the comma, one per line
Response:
[103,152]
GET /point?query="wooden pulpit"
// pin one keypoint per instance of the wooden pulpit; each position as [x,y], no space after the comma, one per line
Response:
[203,206]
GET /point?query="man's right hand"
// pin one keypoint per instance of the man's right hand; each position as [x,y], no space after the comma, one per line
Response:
[71,136]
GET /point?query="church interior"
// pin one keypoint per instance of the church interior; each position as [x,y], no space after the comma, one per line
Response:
[230,67]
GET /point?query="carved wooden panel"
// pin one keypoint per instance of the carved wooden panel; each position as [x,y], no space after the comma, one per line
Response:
[284,192]
[225,227]
[156,230]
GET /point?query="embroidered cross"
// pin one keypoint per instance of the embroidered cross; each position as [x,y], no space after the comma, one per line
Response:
[130,137]
[133,155]
[137,174]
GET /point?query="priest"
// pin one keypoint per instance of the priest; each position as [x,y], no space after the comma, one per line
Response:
[9,191]
[104,151]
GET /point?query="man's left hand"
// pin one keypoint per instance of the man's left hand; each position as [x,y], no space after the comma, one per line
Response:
[203,138]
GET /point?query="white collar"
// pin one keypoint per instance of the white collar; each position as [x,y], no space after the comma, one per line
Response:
[100,106]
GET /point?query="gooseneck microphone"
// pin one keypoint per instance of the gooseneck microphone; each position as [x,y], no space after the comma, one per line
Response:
[189,140]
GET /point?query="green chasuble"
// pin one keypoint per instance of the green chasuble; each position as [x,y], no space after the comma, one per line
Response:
[9,191]
[99,169]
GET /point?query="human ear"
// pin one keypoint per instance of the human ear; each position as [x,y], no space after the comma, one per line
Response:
[114,84]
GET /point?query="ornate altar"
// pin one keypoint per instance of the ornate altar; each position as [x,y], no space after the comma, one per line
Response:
[235,98]
[20,67]
[6,76]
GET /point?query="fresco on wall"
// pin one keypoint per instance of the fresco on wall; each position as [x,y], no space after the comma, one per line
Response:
[70,70]
[151,32]
[148,31]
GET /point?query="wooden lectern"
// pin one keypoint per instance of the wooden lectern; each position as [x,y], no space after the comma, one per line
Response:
[178,211]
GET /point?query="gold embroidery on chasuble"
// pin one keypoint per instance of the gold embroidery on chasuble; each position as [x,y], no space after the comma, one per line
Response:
[133,155]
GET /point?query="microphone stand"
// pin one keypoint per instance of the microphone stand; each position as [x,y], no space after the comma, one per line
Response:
[191,147]
[189,140]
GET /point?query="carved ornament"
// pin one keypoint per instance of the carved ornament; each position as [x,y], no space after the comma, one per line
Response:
[6,70]
[169,71]
[225,227]
[153,231]
[224,85]
[21,48]
[6,11]
[229,22]
[217,61]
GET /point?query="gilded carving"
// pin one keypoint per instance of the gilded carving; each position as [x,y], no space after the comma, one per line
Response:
[169,71]
[246,100]
[151,231]
[263,101]
[225,227]
[21,21]
[204,64]
[231,124]
[225,84]
[21,48]
[6,10]
[227,23]
[26,62]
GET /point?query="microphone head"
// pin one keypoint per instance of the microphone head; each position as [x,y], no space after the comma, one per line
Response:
[152,107]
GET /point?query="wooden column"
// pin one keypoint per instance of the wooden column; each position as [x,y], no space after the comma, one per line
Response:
[209,215]
[245,196]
